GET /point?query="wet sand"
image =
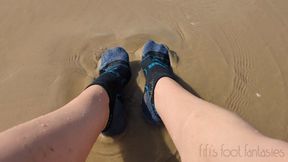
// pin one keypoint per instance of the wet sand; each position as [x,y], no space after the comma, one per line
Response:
[233,53]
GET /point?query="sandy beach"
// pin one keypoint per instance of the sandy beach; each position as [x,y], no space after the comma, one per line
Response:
[233,53]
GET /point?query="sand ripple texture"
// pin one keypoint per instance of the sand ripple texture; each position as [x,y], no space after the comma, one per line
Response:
[233,53]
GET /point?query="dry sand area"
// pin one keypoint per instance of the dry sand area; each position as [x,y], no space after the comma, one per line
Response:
[234,53]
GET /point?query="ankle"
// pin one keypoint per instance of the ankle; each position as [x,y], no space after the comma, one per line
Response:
[99,91]
[160,90]
[162,82]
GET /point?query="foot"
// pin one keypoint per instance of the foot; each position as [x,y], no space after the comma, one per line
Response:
[114,75]
[155,64]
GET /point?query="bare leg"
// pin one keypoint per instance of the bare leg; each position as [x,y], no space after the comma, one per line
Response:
[66,134]
[205,132]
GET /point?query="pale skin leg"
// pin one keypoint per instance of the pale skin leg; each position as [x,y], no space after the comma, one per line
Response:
[195,125]
[66,134]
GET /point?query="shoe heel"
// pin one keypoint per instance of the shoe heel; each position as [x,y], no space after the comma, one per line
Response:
[118,123]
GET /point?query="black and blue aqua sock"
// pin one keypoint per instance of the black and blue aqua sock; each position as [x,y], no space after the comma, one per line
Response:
[114,75]
[155,64]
